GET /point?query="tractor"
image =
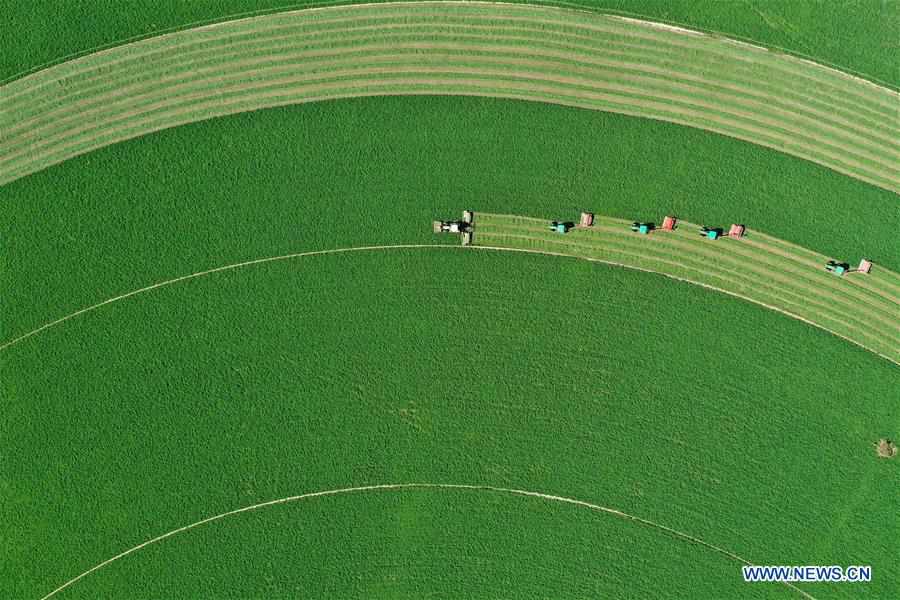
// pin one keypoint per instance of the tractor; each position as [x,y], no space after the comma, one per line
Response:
[643,228]
[711,233]
[838,268]
[464,226]
[560,226]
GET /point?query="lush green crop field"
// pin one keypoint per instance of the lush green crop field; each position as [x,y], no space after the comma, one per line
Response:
[376,172]
[747,429]
[415,544]
[442,365]
[855,36]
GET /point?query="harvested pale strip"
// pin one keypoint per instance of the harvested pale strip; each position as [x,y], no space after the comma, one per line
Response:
[758,268]
[544,54]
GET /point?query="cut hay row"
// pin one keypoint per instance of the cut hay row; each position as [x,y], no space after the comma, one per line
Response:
[771,268]
[81,115]
[698,270]
[802,264]
[860,308]
[510,51]
[282,44]
[702,270]
[756,259]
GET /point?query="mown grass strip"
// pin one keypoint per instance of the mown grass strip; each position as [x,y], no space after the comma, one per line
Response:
[300,40]
[607,24]
[760,268]
[278,95]
[699,270]
[846,149]
[752,271]
[396,68]
[871,291]
[680,272]
[553,64]
[67,80]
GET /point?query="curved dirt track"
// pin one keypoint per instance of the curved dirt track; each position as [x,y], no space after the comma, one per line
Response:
[422,486]
[544,54]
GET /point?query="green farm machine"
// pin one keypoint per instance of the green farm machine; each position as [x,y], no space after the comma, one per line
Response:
[838,268]
[711,233]
[643,227]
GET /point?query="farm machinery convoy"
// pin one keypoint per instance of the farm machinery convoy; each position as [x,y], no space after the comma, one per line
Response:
[466,229]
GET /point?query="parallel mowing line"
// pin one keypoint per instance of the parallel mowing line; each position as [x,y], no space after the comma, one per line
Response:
[691,252]
[880,281]
[558,54]
[877,283]
[744,91]
[115,89]
[775,63]
[475,91]
[629,264]
[740,253]
[738,280]
[785,143]
[872,284]
[745,249]
[217,60]
[566,64]
[395,69]
[524,90]
[845,296]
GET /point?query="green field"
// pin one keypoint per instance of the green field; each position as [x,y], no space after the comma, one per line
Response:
[728,432]
[241,387]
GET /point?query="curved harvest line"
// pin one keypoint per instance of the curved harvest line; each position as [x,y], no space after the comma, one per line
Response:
[432,486]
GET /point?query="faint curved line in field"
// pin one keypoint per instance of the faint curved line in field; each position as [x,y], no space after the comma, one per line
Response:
[257,261]
[434,486]
[247,263]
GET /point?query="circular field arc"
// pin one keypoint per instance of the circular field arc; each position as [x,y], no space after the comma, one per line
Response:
[682,536]
[854,340]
